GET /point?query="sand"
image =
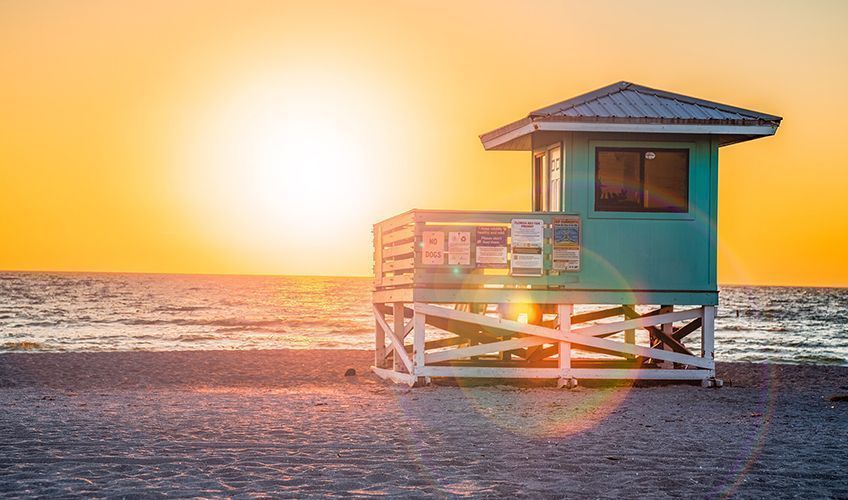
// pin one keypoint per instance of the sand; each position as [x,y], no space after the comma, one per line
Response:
[289,423]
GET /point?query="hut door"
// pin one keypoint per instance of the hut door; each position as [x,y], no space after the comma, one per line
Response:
[540,182]
[554,176]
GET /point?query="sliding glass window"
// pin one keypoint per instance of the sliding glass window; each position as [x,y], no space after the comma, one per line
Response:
[641,180]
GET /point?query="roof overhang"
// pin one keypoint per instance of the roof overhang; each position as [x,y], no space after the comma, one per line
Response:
[516,136]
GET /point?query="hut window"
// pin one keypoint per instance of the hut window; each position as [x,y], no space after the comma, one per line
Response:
[641,180]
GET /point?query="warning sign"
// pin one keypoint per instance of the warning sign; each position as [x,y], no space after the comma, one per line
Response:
[565,255]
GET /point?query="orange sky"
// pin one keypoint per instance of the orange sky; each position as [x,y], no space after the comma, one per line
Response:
[267,137]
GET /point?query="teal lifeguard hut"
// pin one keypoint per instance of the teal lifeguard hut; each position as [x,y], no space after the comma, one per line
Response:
[606,278]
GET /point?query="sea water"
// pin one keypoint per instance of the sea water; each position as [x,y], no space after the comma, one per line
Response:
[99,312]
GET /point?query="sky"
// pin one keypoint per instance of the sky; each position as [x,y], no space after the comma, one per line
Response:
[256,137]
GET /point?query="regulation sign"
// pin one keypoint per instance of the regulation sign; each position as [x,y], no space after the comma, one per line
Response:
[528,241]
[565,254]
[433,253]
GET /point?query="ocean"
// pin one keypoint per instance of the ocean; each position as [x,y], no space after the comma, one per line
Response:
[107,312]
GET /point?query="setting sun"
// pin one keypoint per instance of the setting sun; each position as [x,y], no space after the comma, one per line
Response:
[279,163]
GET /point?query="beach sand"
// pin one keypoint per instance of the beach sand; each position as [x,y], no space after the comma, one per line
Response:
[289,423]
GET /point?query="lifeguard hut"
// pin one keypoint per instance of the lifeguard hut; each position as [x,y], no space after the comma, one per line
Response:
[621,239]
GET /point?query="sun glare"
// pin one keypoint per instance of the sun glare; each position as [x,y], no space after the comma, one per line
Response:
[272,161]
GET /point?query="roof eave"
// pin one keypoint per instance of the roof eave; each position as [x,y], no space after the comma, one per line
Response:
[506,137]
[510,137]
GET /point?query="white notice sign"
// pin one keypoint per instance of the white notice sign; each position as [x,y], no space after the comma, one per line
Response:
[490,245]
[434,248]
[566,259]
[528,241]
[528,233]
[459,248]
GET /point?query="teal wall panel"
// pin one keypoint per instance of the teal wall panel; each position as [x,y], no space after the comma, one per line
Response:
[644,251]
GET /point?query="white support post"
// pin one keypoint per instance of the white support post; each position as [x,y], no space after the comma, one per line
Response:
[630,333]
[397,310]
[379,343]
[667,328]
[418,344]
[708,336]
[565,378]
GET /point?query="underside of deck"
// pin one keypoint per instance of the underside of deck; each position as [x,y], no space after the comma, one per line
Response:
[483,340]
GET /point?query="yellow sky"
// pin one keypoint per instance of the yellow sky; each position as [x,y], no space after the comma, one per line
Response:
[267,137]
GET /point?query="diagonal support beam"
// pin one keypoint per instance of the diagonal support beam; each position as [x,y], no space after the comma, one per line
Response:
[594,315]
[668,340]
[581,337]
[466,329]
[396,343]
[491,347]
[685,330]
[408,328]
[438,344]
[640,322]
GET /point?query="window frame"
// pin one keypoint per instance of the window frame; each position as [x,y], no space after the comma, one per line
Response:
[691,198]
[540,192]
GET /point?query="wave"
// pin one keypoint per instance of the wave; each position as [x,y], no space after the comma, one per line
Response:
[181,308]
[189,337]
[750,328]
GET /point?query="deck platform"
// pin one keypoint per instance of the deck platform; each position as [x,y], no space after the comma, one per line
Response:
[460,317]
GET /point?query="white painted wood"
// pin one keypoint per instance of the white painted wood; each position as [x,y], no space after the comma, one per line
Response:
[491,347]
[564,315]
[397,280]
[389,296]
[396,344]
[397,235]
[659,128]
[398,220]
[639,373]
[488,372]
[575,337]
[398,250]
[378,255]
[397,265]
[553,373]
[418,341]
[397,328]
[379,342]
[500,140]
[708,335]
[608,328]
[396,377]
[630,333]
[408,328]
[667,328]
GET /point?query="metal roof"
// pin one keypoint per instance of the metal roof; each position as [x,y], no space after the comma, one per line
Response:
[628,107]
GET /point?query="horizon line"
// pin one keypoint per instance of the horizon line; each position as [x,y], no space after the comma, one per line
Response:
[355,276]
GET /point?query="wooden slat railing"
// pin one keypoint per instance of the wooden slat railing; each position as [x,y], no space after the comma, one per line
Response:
[398,249]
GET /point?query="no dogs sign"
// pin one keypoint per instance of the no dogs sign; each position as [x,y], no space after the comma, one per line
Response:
[434,248]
